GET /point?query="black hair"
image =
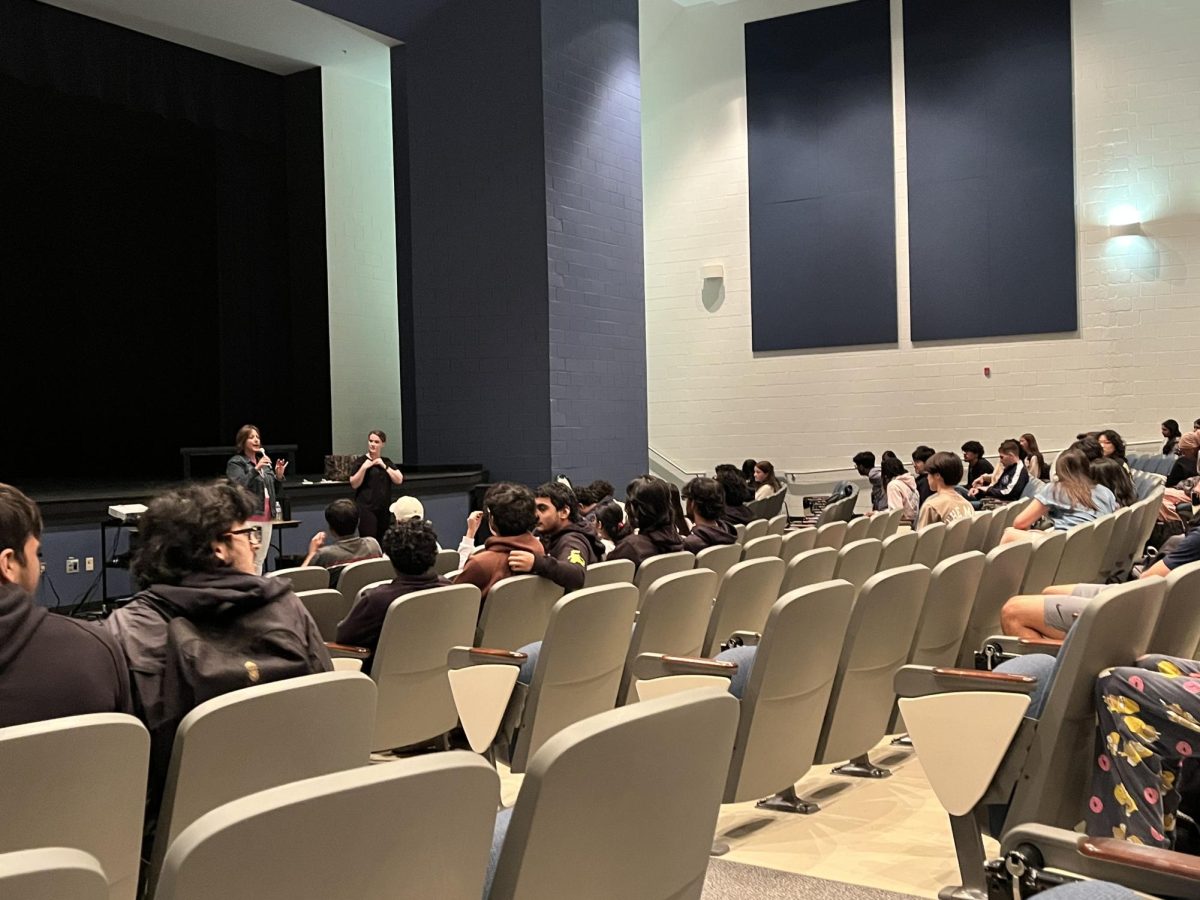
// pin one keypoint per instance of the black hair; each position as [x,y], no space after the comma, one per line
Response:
[601,490]
[923,453]
[706,496]
[1109,472]
[20,519]
[748,469]
[648,503]
[178,529]
[612,518]
[677,517]
[864,460]
[411,545]
[1172,428]
[891,468]
[947,465]
[586,496]
[973,447]
[1012,445]
[561,496]
[342,517]
[510,509]
[1089,447]
[1115,439]
[888,454]
[734,485]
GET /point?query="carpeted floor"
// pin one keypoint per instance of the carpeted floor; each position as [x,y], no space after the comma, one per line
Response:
[736,881]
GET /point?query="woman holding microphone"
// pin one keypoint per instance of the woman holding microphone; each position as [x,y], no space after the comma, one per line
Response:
[374,475]
[252,469]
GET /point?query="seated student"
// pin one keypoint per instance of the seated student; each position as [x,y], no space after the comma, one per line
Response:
[648,505]
[610,524]
[748,473]
[972,452]
[587,502]
[678,517]
[1051,613]
[1071,500]
[411,545]
[864,463]
[570,545]
[1185,459]
[1172,434]
[736,494]
[1109,472]
[511,513]
[901,488]
[919,457]
[1034,461]
[765,483]
[203,623]
[1112,446]
[1008,485]
[945,504]
[342,518]
[50,665]
[705,505]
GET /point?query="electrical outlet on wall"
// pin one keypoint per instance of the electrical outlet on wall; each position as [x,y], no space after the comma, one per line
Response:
[72,565]
[89,564]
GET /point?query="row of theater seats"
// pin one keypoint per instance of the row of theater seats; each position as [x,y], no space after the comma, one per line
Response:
[271,797]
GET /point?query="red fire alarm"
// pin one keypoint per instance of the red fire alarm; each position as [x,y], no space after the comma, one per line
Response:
[987,371]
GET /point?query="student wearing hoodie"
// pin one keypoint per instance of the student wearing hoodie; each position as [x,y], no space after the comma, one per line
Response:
[412,546]
[511,513]
[705,505]
[736,494]
[571,546]
[50,666]
[186,635]
[901,488]
[648,506]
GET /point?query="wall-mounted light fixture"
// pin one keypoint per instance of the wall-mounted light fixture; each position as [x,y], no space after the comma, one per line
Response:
[1125,221]
[712,291]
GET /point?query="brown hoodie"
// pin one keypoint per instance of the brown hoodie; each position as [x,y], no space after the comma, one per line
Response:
[489,565]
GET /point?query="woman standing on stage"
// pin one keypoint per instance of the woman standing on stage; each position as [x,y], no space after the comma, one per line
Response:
[252,469]
[374,475]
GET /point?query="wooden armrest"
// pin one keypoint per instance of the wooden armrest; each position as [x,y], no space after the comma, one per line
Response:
[347,650]
[462,657]
[1124,853]
[694,663]
[1048,643]
[994,677]
[655,665]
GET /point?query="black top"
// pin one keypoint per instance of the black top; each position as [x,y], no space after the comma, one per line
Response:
[375,492]
[362,626]
[980,467]
[704,536]
[1185,467]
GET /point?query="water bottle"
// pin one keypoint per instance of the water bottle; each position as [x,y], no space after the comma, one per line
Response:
[278,511]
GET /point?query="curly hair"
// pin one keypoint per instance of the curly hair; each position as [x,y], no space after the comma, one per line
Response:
[411,545]
[562,497]
[706,497]
[511,509]
[179,528]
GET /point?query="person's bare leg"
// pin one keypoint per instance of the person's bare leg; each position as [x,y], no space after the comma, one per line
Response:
[1012,535]
[1024,616]
[1059,589]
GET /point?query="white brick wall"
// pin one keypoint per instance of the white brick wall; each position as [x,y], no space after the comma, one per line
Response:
[360,223]
[1137,138]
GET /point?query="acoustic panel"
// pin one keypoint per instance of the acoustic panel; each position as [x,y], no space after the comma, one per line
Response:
[990,168]
[821,166]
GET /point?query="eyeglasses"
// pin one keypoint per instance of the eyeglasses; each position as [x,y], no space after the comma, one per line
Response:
[253,534]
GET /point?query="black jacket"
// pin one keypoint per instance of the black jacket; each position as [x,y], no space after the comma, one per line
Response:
[703,536]
[52,666]
[737,515]
[362,627]
[641,546]
[569,551]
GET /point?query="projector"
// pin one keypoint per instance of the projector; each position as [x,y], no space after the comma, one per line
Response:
[126,512]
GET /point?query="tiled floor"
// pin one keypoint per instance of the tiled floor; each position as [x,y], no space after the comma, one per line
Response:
[889,833]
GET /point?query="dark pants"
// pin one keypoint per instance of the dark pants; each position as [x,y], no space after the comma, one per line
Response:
[1149,723]
[373,522]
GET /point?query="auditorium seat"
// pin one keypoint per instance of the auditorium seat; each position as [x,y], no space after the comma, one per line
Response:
[810,567]
[357,575]
[740,529]
[1178,630]
[999,522]
[304,578]
[857,561]
[954,539]
[1113,559]
[1043,565]
[744,598]
[447,561]
[878,641]
[720,558]
[929,545]
[832,534]
[755,528]
[1003,571]
[52,873]
[978,532]
[615,571]
[673,620]
[859,528]
[516,612]
[409,668]
[777,524]
[769,545]
[985,747]
[1081,556]
[328,607]
[577,671]
[797,541]
[898,550]
[657,566]
[77,782]
[261,737]
[577,831]
[413,828]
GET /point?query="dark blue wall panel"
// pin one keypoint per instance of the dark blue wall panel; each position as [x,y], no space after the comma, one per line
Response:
[990,167]
[822,208]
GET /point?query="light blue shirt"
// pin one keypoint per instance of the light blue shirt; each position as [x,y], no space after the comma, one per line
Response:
[1063,515]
